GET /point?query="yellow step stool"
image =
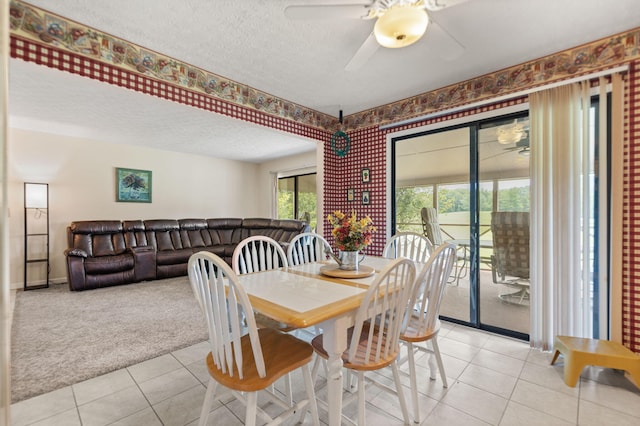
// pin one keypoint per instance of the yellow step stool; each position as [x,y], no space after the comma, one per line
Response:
[579,352]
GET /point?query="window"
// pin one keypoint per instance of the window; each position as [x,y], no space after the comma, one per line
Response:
[297,198]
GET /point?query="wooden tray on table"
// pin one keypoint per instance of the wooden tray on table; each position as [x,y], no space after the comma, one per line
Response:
[335,271]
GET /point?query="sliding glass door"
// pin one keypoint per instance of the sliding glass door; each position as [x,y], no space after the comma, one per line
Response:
[465,178]
[432,171]
[504,206]
[473,181]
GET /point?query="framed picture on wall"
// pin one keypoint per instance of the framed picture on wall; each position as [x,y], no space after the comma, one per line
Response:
[366,175]
[366,198]
[350,195]
[133,186]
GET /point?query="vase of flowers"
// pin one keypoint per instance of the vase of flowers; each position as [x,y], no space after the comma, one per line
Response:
[351,235]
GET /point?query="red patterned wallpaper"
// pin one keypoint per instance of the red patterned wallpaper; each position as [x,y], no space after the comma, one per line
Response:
[344,173]
[631,213]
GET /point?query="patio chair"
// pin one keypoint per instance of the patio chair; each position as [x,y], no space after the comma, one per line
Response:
[510,259]
[243,358]
[432,230]
[423,324]
[408,244]
[374,339]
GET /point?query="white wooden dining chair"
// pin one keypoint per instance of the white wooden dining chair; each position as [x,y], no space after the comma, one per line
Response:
[243,358]
[408,244]
[262,253]
[306,248]
[422,317]
[258,253]
[374,339]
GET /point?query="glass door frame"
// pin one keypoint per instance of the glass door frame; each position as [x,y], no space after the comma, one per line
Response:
[474,126]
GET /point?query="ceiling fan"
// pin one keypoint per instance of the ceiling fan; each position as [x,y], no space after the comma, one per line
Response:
[522,146]
[514,135]
[399,23]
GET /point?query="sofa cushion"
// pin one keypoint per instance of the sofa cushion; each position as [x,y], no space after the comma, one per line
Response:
[172,257]
[97,238]
[219,250]
[194,233]
[108,264]
[258,226]
[225,231]
[289,228]
[134,233]
[96,227]
[280,230]
[170,271]
[107,280]
[163,234]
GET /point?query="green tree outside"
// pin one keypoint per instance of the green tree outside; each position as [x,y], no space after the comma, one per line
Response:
[409,201]
[307,202]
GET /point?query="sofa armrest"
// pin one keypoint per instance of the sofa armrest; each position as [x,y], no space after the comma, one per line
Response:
[144,261]
[76,252]
[76,276]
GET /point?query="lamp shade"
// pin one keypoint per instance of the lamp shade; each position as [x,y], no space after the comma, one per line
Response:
[401,25]
[35,195]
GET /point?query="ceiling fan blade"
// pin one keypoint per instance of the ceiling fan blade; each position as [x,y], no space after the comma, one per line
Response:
[327,11]
[442,43]
[363,54]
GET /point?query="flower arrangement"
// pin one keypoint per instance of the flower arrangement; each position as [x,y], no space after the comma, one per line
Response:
[350,233]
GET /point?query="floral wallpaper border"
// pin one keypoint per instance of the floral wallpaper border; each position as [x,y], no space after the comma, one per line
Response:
[43,27]
[601,54]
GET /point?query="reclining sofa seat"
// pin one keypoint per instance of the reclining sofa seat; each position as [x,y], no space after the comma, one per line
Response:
[225,235]
[282,231]
[106,253]
[98,256]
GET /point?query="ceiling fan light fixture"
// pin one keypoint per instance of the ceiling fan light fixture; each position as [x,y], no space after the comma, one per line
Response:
[512,133]
[401,25]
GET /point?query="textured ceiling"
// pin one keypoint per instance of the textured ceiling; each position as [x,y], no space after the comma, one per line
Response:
[303,61]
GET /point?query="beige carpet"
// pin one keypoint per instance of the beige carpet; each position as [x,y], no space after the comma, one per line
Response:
[61,337]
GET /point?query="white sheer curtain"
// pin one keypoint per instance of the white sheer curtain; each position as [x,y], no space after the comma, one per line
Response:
[561,213]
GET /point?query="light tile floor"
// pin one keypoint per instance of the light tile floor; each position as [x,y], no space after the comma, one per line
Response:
[493,380]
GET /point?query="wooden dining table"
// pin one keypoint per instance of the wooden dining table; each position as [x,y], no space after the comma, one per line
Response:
[303,296]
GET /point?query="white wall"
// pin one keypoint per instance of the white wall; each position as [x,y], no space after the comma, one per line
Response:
[81,178]
[268,175]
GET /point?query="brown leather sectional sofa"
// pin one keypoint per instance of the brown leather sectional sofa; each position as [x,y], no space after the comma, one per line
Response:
[110,252]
